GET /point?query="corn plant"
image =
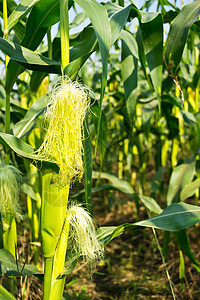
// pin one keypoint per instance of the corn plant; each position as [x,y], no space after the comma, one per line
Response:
[116,88]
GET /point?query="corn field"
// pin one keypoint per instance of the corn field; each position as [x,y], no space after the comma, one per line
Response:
[99,149]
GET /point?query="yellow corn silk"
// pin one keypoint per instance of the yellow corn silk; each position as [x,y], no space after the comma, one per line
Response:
[10,178]
[63,141]
[82,240]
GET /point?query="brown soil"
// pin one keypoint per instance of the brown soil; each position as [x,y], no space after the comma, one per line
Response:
[132,267]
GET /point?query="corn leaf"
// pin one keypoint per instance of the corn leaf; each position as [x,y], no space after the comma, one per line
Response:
[78,20]
[4,294]
[28,58]
[142,56]
[178,32]
[21,10]
[104,187]
[175,217]
[151,26]
[151,204]
[98,15]
[44,14]
[129,69]
[119,184]
[97,114]
[184,243]
[8,266]
[117,16]
[79,53]
[182,175]
[107,234]
[26,151]
[190,189]
[25,126]
[28,190]
[87,156]
[172,100]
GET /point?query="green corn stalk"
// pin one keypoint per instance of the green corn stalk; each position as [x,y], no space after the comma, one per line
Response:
[55,199]
[120,164]
[53,210]
[9,223]
[181,268]
[175,142]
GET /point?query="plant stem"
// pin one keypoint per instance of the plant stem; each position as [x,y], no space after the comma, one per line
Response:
[49,43]
[48,267]
[53,211]
[64,33]
[59,264]
[7,114]
[10,235]
[5,21]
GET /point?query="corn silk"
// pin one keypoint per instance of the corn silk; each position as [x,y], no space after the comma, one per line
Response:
[10,179]
[82,238]
[63,141]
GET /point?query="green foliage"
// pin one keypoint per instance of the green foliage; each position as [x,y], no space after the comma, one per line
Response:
[141,136]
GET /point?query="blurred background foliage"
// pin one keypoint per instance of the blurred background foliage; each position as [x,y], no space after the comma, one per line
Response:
[142,136]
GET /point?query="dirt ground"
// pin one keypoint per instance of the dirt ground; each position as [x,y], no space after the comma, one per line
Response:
[132,266]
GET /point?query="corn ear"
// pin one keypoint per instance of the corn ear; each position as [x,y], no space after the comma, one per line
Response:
[63,141]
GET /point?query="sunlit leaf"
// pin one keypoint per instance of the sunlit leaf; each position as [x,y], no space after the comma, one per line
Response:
[151,26]
[9,267]
[24,126]
[28,58]
[24,150]
[181,176]
[98,15]
[177,36]
[4,294]
[129,69]
[21,10]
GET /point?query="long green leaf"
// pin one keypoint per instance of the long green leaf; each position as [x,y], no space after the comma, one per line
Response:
[151,204]
[5,295]
[103,132]
[184,243]
[175,217]
[28,58]
[8,266]
[117,16]
[177,36]
[98,15]
[142,56]
[107,234]
[129,70]
[87,156]
[24,126]
[151,26]
[120,184]
[44,14]
[79,53]
[181,176]
[28,189]
[190,189]
[21,10]
[26,151]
